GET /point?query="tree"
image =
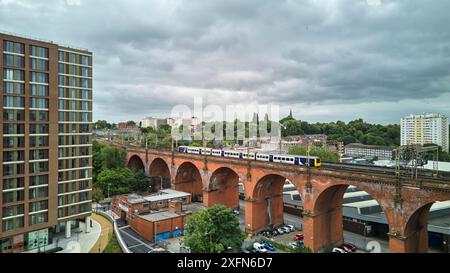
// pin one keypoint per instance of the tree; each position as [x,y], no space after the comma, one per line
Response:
[213,230]
[324,153]
[97,194]
[119,180]
[141,182]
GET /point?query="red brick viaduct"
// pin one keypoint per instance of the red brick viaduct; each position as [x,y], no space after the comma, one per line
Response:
[405,205]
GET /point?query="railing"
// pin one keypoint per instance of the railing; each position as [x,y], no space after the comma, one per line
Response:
[24,36]
[116,230]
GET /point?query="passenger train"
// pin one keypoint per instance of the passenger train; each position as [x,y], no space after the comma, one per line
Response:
[314,161]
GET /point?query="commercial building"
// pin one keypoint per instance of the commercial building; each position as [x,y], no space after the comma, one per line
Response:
[153,122]
[46,152]
[369,151]
[424,129]
[154,216]
[126,125]
[128,204]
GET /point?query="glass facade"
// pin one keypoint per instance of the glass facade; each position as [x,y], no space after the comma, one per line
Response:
[75,125]
[47,112]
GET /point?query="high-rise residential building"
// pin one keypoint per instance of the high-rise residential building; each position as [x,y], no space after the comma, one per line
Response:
[46,152]
[425,129]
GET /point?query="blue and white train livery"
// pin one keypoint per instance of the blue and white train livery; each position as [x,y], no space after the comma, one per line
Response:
[314,161]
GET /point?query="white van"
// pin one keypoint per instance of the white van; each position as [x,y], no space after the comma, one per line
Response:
[259,248]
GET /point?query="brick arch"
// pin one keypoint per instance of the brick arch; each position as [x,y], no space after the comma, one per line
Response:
[324,214]
[135,163]
[158,167]
[188,178]
[223,188]
[415,229]
[264,207]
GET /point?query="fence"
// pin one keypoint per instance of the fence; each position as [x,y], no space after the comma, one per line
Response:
[116,231]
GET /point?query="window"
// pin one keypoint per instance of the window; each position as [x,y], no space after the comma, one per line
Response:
[39,77]
[85,83]
[37,206]
[39,90]
[12,183]
[13,115]
[38,192]
[38,64]
[13,75]
[61,56]
[38,218]
[14,61]
[38,51]
[36,115]
[13,47]
[84,60]
[13,196]
[38,180]
[14,88]
[13,223]
[85,94]
[10,101]
[39,103]
[84,71]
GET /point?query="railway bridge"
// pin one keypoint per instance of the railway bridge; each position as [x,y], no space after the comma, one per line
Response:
[404,202]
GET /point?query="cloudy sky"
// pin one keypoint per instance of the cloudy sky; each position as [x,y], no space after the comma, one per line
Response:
[324,59]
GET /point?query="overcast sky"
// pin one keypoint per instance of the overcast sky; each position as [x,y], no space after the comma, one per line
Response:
[326,60]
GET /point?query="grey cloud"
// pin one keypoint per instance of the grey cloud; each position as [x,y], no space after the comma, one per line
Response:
[315,55]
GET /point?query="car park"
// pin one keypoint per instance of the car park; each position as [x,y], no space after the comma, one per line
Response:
[338,250]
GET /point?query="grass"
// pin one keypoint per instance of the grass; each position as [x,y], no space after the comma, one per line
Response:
[113,245]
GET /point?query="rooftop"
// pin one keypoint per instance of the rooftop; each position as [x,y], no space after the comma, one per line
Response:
[24,36]
[359,145]
[160,216]
[166,195]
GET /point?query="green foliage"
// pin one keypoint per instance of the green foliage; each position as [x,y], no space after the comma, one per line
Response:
[106,157]
[322,152]
[213,230]
[356,131]
[103,124]
[141,182]
[97,193]
[113,245]
[119,180]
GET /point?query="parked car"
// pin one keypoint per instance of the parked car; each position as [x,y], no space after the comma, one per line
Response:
[275,232]
[338,250]
[281,230]
[348,247]
[268,246]
[259,248]
[291,227]
[286,229]
[299,237]
[293,244]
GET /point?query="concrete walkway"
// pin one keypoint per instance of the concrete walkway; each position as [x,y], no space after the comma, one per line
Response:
[105,235]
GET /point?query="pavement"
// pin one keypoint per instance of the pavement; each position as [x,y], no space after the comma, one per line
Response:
[105,235]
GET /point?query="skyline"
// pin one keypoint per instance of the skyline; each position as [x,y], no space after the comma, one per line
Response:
[327,60]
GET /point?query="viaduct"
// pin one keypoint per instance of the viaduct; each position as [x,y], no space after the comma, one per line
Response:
[405,203]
